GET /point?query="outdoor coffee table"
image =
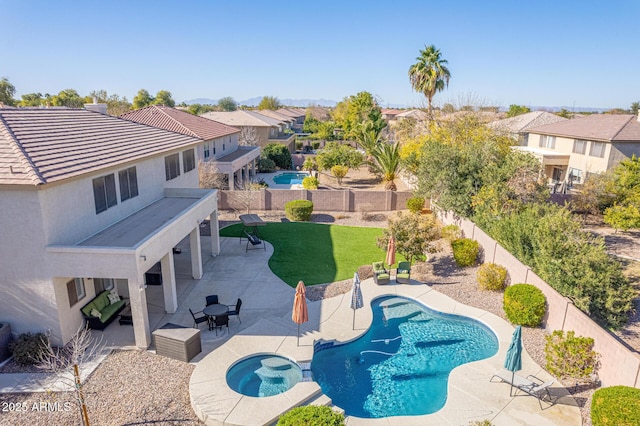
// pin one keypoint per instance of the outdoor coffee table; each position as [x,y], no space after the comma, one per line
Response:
[215,310]
[125,316]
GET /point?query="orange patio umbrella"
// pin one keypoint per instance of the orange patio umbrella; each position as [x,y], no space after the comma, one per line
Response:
[391,251]
[300,314]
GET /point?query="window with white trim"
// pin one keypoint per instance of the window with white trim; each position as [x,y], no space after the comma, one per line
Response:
[172,166]
[75,290]
[188,160]
[104,192]
[575,176]
[547,141]
[579,146]
[128,180]
[207,153]
[597,149]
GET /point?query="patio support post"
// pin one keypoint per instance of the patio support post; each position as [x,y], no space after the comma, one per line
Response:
[232,183]
[139,312]
[215,235]
[169,283]
[196,255]
[246,172]
[253,166]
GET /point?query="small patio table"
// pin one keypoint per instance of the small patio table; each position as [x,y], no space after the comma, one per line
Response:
[215,310]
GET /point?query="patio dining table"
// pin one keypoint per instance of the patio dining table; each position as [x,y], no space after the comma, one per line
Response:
[214,310]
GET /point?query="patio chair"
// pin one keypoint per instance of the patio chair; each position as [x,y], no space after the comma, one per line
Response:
[212,300]
[380,273]
[236,310]
[197,320]
[220,321]
[403,273]
[532,385]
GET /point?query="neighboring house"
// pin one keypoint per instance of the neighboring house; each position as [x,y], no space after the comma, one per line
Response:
[289,121]
[297,114]
[518,126]
[219,141]
[570,150]
[390,114]
[90,202]
[255,128]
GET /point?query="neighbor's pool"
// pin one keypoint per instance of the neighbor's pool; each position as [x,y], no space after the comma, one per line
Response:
[289,178]
[401,366]
[263,375]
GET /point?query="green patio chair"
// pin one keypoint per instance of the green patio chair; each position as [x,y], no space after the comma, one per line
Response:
[403,273]
[380,273]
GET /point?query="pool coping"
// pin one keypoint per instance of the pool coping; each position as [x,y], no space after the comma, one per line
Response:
[470,394]
[268,178]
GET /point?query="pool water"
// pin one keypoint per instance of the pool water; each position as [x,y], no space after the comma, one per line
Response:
[263,375]
[401,366]
[289,178]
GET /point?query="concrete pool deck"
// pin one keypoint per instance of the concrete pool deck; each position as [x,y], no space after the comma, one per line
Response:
[268,178]
[267,328]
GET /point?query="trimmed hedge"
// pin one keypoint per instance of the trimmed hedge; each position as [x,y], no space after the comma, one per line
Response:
[310,182]
[616,406]
[299,210]
[491,276]
[311,415]
[524,305]
[465,251]
[415,204]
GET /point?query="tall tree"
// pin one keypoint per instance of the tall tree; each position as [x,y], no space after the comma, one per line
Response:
[163,97]
[142,99]
[356,109]
[68,98]
[635,106]
[269,102]
[31,100]
[429,74]
[228,104]
[517,110]
[7,90]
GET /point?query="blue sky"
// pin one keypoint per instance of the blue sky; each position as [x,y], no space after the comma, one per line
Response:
[552,53]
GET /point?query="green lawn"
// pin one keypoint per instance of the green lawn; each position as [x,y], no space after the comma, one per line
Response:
[317,253]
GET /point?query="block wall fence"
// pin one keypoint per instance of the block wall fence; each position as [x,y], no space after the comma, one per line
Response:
[341,200]
[619,365]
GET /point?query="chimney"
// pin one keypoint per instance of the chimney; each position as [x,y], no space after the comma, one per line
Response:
[96,107]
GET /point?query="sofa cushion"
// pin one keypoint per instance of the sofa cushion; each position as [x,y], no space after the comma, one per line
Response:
[383,276]
[102,300]
[87,309]
[378,266]
[111,310]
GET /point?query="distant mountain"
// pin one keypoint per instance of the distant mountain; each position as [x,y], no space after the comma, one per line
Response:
[568,108]
[256,101]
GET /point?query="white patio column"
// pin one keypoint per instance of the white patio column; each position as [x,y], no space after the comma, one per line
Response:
[215,234]
[196,255]
[246,172]
[231,181]
[169,283]
[139,312]
[240,178]
[253,166]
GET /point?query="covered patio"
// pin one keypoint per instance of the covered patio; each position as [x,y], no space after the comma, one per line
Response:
[129,248]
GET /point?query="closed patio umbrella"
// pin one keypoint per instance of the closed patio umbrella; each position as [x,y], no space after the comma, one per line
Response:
[391,251]
[356,297]
[300,314]
[513,360]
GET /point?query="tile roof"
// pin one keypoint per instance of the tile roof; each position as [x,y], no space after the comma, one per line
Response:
[242,118]
[44,145]
[277,115]
[292,112]
[603,127]
[523,122]
[173,119]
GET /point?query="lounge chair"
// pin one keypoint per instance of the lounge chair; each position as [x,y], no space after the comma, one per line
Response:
[380,273]
[403,273]
[531,384]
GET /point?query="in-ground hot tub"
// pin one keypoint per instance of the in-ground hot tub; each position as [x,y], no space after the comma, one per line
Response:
[263,375]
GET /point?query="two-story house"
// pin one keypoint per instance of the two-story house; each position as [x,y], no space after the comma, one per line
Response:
[569,150]
[219,141]
[518,127]
[90,202]
[255,129]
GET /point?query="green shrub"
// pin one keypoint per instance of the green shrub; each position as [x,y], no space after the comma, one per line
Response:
[309,164]
[311,415]
[310,182]
[491,277]
[524,304]
[298,146]
[570,356]
[415,204]
[451,233]
[299,210]
[29,348]
[266,165]
[279,154]
[616,406]
[465,251]
[339,172]
[315,145]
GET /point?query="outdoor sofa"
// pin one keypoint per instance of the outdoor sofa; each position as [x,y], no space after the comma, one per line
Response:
[102,305]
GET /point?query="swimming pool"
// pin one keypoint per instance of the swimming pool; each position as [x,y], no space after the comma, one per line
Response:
[263,375]
[401,366]
[289,178]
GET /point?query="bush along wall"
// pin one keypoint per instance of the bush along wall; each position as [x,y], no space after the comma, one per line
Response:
[524,304]
[465,251]
[299,210]
[616,406]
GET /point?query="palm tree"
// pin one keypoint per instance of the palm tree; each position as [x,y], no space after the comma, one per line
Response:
[429,75]
[387,159]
